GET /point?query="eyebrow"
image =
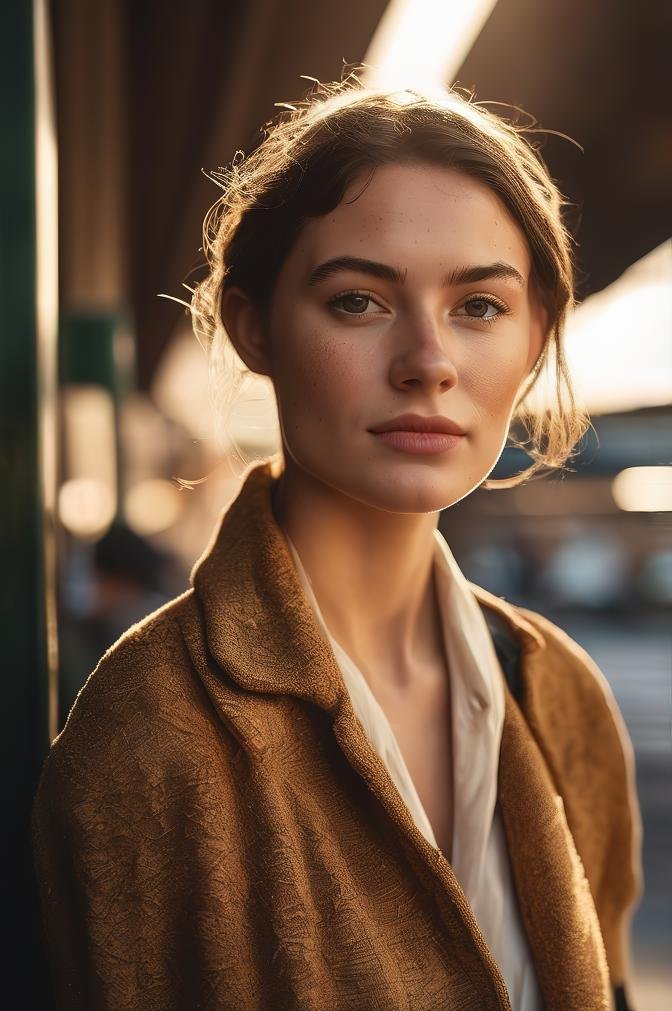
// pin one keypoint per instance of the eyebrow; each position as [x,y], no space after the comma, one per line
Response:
[460,275]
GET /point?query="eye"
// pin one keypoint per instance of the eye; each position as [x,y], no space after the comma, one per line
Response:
[353,303]
[478,307]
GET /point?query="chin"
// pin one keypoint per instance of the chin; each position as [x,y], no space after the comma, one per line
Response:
[392,491]
[404,485]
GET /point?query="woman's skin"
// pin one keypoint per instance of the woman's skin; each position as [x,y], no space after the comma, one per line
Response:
[360,512]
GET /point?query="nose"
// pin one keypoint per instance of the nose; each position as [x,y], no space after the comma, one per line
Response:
[424,362]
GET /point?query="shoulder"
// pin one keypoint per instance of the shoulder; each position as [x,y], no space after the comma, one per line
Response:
[570,708]
[575,719]
[559,673]
[142,713]
[574,714]
[569,690]
[147,667]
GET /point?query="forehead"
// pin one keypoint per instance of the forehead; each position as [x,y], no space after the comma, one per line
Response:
[419,217]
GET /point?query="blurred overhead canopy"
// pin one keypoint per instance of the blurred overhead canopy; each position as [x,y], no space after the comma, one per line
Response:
[181,87]
[618,343]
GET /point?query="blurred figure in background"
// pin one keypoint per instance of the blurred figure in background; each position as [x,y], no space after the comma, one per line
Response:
[107,587]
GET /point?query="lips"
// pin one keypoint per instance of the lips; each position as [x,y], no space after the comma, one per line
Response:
[436,424]
[422,443]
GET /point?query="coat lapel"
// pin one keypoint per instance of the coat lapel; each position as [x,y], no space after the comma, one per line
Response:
[259,626]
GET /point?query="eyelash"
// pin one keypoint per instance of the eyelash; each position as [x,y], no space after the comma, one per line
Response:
[503,310]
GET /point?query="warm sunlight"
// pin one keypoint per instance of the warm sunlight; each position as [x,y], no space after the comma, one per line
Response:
[423,42]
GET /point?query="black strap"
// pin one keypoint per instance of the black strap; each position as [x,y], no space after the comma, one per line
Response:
[620,999]
[507,648]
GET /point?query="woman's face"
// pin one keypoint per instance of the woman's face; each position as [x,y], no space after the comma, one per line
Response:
[442,321]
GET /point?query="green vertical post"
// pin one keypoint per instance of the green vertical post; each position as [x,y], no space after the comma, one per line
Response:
[27,452]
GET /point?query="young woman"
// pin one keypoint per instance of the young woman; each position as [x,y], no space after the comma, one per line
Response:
[311,782]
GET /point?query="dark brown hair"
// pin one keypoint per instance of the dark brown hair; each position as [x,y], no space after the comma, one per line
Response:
[314,149]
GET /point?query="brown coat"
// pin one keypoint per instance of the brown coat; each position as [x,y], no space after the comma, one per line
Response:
[214,830]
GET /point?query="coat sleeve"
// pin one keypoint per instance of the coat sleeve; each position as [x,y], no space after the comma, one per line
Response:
[137,868]
[63,896]
[108,918]
[141,895]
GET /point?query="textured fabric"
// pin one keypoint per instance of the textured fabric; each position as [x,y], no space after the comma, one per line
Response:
[479,855]
[213,829]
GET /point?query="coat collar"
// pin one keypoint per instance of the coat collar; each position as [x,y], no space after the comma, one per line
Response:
[246,581]
[259,626]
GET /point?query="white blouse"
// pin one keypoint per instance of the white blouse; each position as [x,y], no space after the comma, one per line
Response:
[480,858]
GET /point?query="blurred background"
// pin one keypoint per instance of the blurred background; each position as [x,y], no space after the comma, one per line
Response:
[112,113]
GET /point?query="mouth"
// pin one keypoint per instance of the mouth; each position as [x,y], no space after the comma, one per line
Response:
[418,433]
[434,423]
[419,442]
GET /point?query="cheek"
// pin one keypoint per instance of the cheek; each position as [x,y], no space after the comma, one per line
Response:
[317,376]
[492,380]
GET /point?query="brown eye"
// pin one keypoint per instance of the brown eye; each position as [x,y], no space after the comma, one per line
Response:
[352,303]
[486,309]
[476,307]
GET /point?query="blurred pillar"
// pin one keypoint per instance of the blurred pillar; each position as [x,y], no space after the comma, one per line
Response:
[28,290]
[96,346]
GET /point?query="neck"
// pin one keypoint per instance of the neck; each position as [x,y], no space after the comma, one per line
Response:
[371,572]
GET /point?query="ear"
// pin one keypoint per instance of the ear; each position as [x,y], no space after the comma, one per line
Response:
[247,332]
